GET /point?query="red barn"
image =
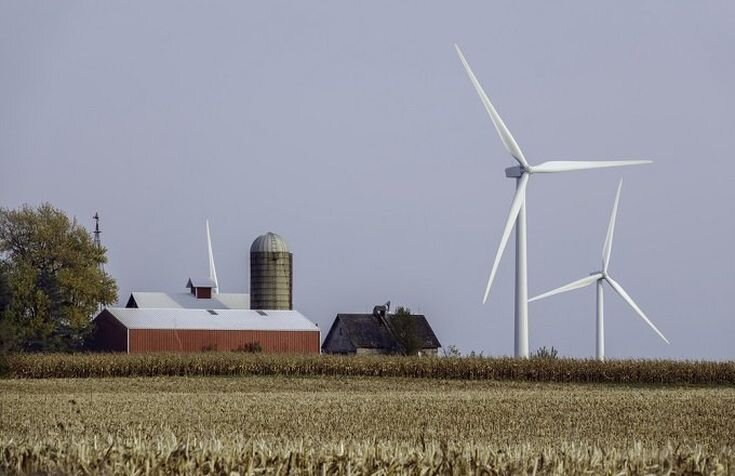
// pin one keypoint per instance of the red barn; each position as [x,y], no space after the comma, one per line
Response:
[194,330]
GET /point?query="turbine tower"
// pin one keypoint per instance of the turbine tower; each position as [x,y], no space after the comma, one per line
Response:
[212,270]
[517,215]
[602,276]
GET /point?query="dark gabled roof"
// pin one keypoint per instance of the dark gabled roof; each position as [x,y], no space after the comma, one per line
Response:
[368,331]
[423,331]
[131,302]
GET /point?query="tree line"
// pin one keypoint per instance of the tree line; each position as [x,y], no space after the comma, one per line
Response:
[51,280]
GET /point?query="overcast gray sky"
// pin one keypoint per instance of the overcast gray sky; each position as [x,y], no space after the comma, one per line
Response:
[351,129]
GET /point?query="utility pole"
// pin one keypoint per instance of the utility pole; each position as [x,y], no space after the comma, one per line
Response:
[97,233]
[98,244]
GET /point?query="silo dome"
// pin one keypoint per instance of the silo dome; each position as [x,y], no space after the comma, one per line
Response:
[269,243]
[271,273]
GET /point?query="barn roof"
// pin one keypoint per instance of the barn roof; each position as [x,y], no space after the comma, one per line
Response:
[201,283]
[367,331]
[219,319]
[188,301]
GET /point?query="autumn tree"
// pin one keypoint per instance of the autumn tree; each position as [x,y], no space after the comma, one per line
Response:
[51,282]
[403,325]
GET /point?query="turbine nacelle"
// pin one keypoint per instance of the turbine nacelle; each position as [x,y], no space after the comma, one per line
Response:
[515,171]
[555,166]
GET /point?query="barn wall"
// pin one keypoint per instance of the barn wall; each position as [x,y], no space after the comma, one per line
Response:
[169,340]
[203,293]
[109,334]
[337,341]
[370,351]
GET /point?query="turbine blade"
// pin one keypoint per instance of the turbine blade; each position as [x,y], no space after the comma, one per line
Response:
[212,270]
[607,247]
[570,165]
[510,143]
[580,283]
[619,289]
[515,207]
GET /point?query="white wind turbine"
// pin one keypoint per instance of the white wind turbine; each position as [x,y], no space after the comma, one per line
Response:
[599,277]
[212,270]
[517,215]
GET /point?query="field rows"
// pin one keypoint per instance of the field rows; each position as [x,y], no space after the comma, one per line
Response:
[169,455]
[327,424]
[242,364]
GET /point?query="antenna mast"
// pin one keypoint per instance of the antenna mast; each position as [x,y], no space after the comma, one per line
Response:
[97,233]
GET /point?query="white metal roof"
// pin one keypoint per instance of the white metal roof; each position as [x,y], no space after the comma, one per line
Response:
[202,319]
[201,283]
[189,301]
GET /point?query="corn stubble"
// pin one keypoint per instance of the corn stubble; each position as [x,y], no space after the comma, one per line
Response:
[163,455]
[361,425]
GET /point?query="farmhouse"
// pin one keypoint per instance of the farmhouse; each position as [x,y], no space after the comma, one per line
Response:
[376,333]
[205,319]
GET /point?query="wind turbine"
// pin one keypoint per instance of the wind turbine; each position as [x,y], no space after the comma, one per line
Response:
[517,215]
[602,276]
[212,270]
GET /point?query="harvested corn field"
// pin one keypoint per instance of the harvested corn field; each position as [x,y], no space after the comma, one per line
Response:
[332,424]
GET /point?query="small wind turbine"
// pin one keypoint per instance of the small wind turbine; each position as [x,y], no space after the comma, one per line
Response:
[212,270]
[517,215]
[599,277]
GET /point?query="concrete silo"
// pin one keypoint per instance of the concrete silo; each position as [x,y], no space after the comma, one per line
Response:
[271,273]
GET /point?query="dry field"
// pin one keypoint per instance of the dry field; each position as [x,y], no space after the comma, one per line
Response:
[361,425]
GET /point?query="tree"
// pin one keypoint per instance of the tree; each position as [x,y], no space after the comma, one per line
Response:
[7,333]
[50,270]
[403,325]
[451,351]
[544,353]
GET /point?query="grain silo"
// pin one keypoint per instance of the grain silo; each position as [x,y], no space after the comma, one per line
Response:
[271,273]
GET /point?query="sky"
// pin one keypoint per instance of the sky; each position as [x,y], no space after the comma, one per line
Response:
[351,129]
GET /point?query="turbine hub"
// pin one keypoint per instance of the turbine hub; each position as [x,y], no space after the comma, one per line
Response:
[515,171]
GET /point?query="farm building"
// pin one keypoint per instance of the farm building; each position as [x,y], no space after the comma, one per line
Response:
[195,330]
[375,334]
[205,319]
[201,296]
